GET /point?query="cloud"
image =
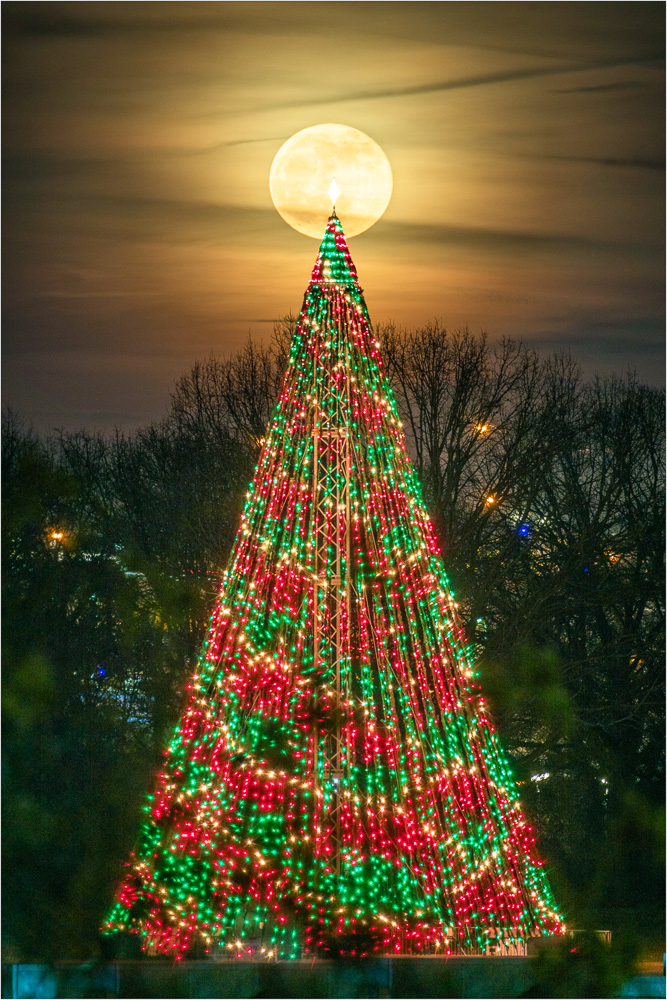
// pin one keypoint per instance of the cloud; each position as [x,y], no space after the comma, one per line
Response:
[480,80]
[627,337]
[631,163]
[484,238]
[26,19]
[128,217]
[619,85]
[119,117]
[102,20]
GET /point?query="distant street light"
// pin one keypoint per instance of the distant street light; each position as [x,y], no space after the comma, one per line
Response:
[55,539]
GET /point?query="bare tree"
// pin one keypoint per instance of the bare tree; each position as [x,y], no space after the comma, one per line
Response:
[234,395]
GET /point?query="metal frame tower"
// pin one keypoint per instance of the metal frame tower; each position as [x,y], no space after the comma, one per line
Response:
[332,583]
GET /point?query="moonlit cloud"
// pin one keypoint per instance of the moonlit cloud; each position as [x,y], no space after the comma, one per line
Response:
[526,142]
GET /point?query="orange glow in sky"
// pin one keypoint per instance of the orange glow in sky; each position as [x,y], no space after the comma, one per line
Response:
[526,143]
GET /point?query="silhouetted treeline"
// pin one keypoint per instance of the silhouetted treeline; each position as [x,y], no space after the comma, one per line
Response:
[548,496]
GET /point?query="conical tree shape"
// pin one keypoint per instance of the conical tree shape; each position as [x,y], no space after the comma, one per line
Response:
[335,778]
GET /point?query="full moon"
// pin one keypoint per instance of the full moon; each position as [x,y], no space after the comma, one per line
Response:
[304,167]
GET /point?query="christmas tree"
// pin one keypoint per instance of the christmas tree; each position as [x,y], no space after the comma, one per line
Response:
[335,782]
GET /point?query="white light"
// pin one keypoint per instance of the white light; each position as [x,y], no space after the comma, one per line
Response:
[333,192]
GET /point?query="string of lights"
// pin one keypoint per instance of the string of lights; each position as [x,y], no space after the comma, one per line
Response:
[335,776]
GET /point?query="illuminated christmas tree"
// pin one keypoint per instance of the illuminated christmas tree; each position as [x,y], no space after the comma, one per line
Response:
[335,781]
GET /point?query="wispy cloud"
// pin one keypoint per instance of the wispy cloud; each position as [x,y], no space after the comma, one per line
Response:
[630,163]
[626,337]
[601,87]
[109,21]
[483,238]
[138,138]
[480,80]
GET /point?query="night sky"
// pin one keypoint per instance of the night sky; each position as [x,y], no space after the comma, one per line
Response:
[526,142]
